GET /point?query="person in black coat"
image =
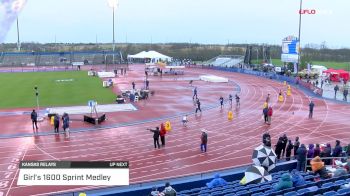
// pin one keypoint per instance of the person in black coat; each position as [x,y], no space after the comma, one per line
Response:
[337,151]
[198,106]
[285,141]
[221,102]
[296,145]
[311,109]
[301,158]
[327,152]
[156,134]
[34,117]
[56,123]
[290,147]
[279,146]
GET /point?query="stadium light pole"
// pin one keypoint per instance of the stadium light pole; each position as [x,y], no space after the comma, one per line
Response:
[114,5]
[18,43]
[299,56]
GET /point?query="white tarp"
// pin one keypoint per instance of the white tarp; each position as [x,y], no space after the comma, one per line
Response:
[212,78]
[153,55]
[175,67]
[86,109]
[104,74]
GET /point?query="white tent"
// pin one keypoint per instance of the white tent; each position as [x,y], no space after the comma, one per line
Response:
[153,55]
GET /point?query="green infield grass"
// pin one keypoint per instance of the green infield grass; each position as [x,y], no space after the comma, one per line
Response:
[55,89]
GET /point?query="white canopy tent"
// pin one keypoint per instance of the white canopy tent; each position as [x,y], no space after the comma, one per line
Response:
[153,55]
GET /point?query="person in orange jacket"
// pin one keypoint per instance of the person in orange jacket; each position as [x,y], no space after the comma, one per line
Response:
[162,134]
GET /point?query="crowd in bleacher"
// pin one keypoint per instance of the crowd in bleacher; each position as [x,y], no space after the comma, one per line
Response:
[312,176]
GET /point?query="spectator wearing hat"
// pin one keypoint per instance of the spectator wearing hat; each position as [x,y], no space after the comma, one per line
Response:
[318,167]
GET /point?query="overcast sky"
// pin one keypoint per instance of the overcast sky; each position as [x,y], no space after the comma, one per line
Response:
[196,21]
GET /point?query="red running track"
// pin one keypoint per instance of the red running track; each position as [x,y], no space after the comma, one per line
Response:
[230,142]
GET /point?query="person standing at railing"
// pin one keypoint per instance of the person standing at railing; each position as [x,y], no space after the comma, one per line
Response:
[285,142]
[278,147]
[289,150]
[327,151]
[296,145]
[317,150]
[338,149]
[301,158]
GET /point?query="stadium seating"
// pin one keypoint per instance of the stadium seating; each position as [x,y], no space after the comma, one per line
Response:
[323,187]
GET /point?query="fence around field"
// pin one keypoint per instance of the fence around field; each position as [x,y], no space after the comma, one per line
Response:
[32,59]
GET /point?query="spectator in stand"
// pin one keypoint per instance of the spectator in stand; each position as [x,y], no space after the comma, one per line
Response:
[285,182]
[266,139]
[296,145]
[217,181]
[289,150]
[336,88]
[154,192]
[317,150]
[338,150]
[318,167]
[310,152]
[348,151]
[285,141]
[278,147]
[327,153]
[297,178]
[301,158]
[269,115]
[168,190]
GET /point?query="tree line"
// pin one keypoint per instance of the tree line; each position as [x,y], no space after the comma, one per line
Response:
[194,51]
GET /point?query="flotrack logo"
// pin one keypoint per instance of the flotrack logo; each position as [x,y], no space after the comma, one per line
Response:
[314,11]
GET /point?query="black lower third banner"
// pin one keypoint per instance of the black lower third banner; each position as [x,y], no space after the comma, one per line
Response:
[108,173]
